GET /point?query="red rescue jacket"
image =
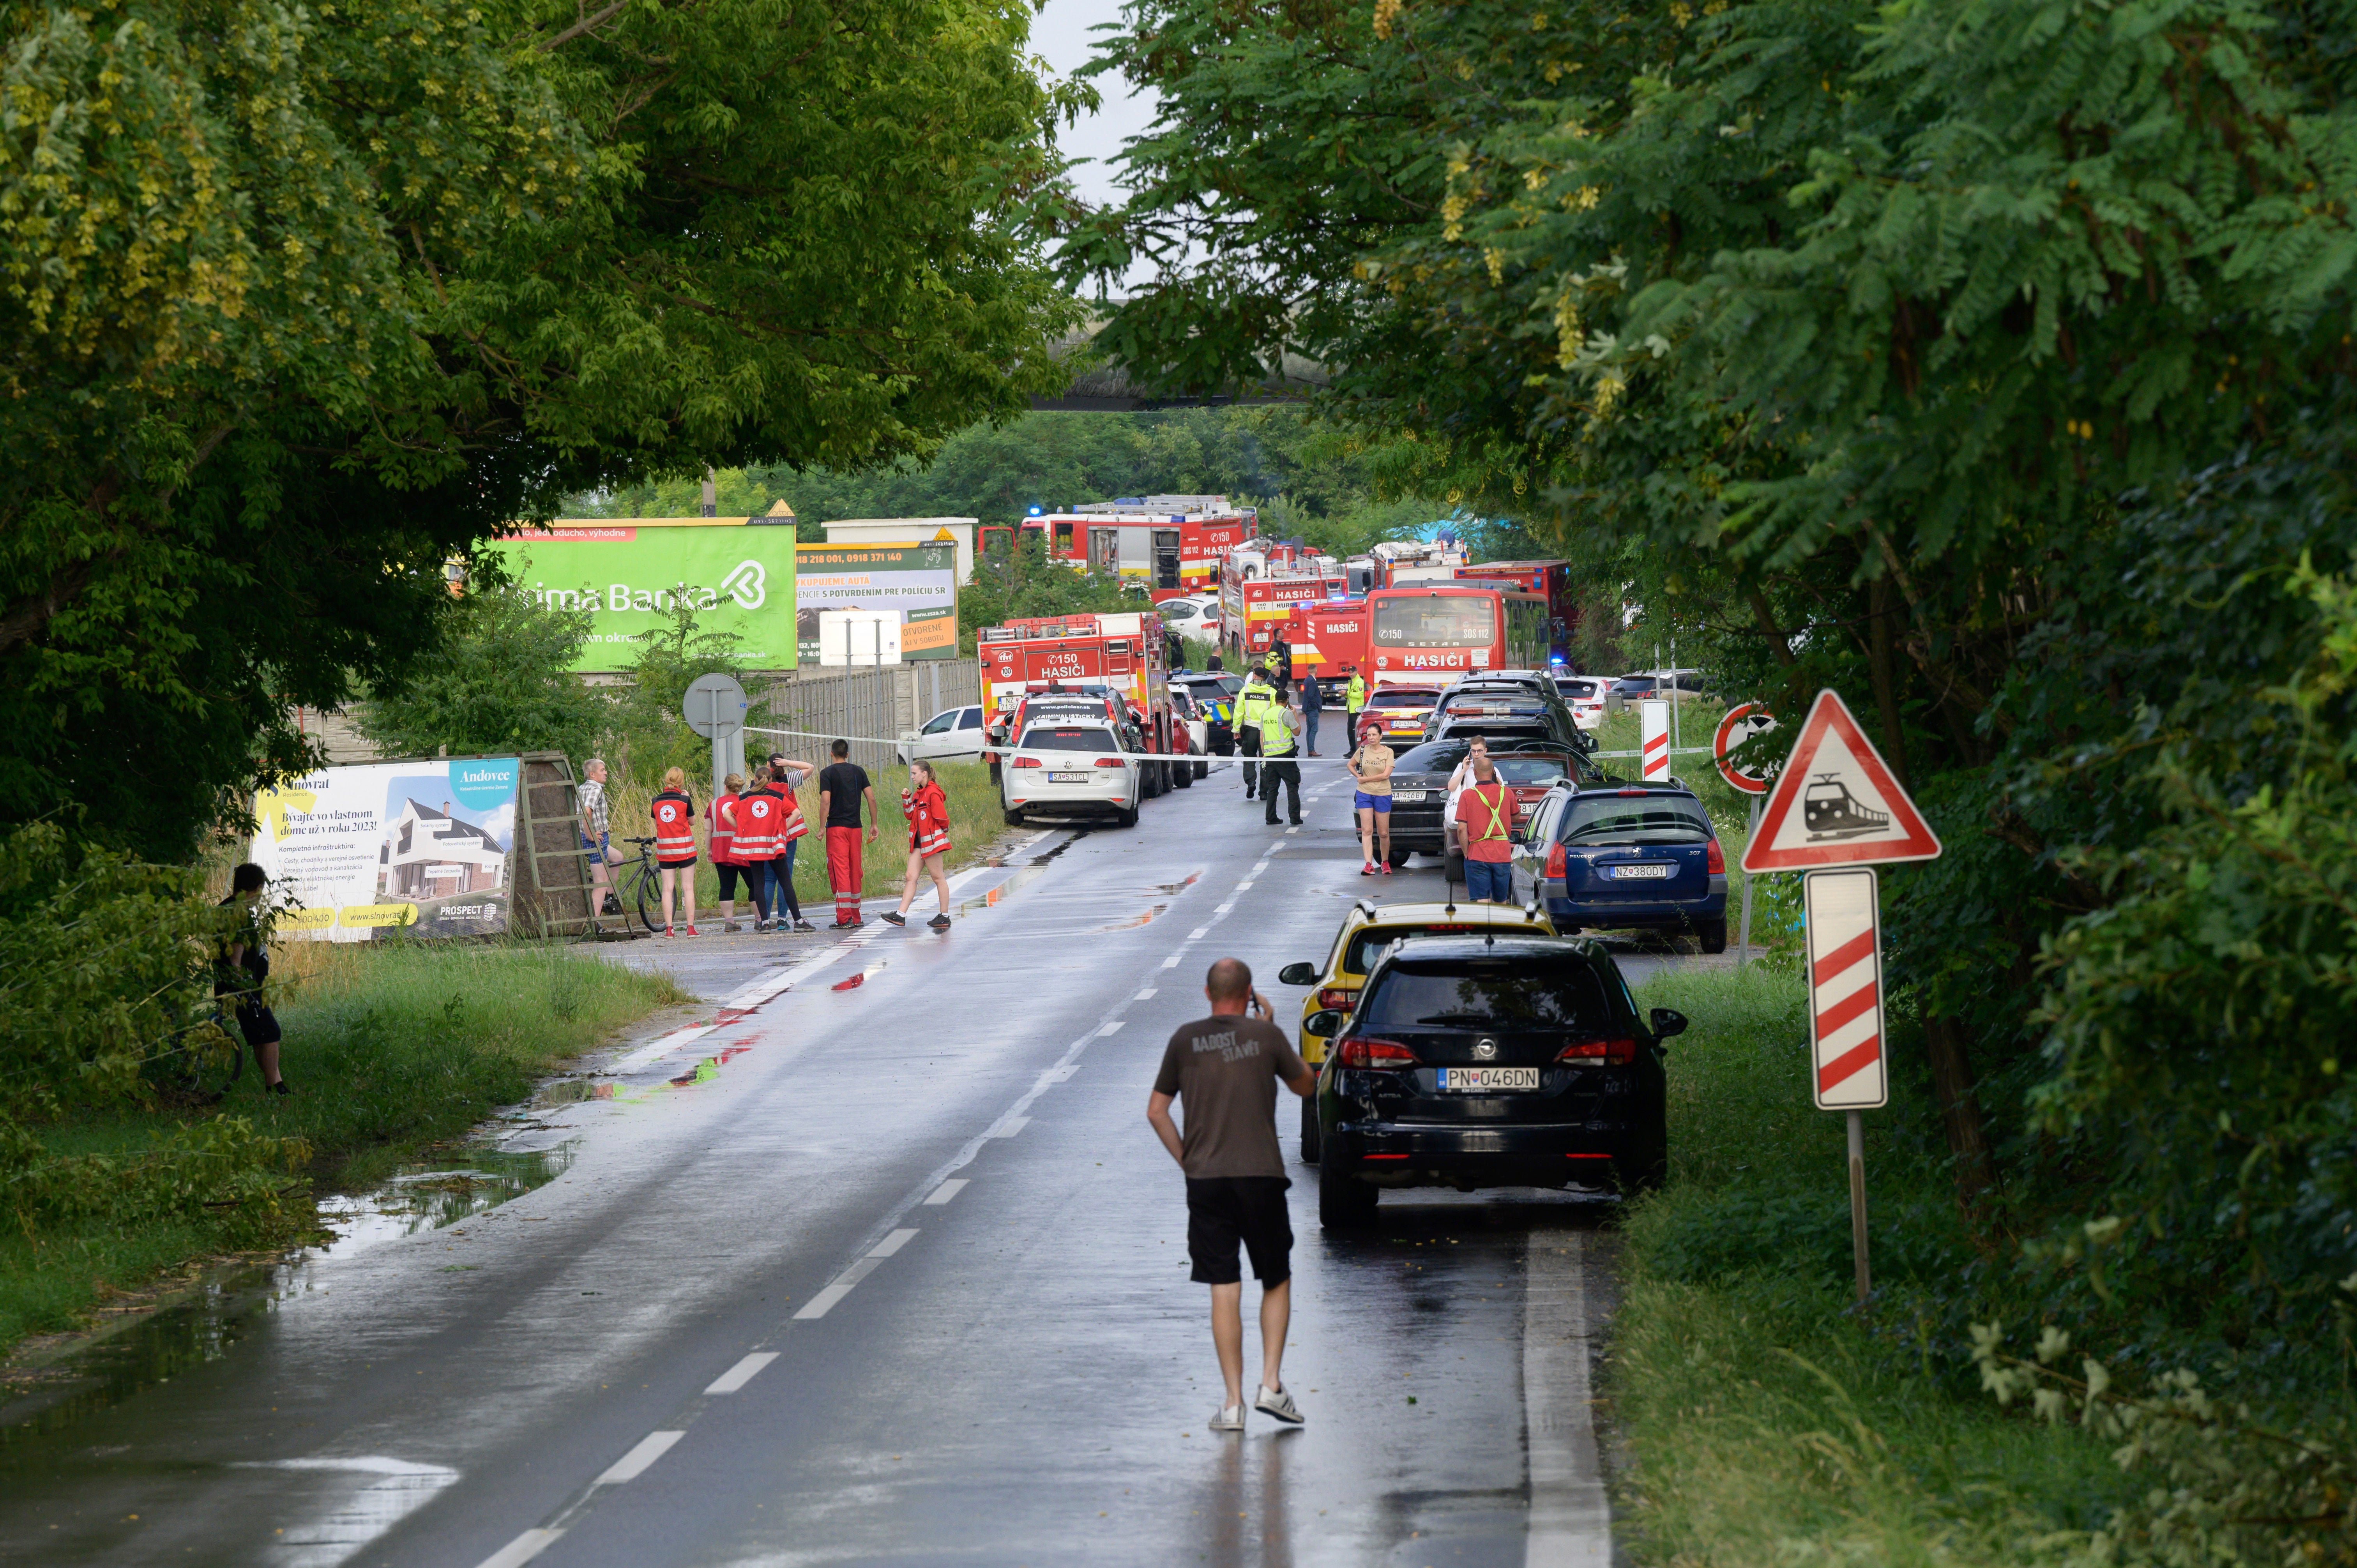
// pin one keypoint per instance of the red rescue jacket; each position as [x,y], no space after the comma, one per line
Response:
[674,816]
[722,814]
[757,814]
[928,810]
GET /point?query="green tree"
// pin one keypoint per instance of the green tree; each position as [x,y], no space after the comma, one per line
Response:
[500,680]
[300,304]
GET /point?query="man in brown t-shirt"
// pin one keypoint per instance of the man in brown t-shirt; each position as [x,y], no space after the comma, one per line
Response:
[1226,1068]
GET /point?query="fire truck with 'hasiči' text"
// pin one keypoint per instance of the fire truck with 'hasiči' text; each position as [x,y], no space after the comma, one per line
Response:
[1257,595]
[1330,637]
[1165,546]
[1120,656]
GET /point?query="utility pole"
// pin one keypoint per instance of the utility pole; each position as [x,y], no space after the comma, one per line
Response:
[711,492]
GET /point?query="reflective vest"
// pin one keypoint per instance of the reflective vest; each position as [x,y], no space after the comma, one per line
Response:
[790,825]
[757,826]
[1499,809]
[1354,695]
[1252,704]
[674,816]
[722,815]
[1275,732]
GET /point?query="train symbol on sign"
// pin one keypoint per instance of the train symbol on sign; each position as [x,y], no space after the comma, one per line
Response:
[1830,811]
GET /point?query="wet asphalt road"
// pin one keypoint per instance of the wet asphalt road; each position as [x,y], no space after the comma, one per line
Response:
[884,1272]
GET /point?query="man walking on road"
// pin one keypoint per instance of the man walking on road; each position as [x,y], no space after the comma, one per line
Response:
[841,786]
[1252,705]
[1226,1068]
[1280,747]
[1312,699]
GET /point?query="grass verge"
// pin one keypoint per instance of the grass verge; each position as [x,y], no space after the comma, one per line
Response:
[1765,1421]
[389,1048]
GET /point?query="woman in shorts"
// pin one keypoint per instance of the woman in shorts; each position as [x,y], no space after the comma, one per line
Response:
[674,817]
[928,810]
[1370,765]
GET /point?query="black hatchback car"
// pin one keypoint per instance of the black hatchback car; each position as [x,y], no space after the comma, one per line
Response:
[1472,1062]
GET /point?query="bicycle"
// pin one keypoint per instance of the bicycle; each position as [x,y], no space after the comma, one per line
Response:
[193,1068]
[638,882]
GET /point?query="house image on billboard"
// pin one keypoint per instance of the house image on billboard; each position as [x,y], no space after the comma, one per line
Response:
[428,853]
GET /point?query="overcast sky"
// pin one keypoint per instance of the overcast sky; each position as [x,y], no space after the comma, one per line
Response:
[1059,34]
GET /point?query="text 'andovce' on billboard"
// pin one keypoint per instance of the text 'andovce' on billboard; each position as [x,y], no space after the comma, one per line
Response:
[630,573]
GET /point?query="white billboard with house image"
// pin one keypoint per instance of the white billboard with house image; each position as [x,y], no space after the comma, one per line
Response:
[416,847]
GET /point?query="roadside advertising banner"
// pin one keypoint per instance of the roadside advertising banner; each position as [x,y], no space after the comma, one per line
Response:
[627,572]
[916,581]
[417,846]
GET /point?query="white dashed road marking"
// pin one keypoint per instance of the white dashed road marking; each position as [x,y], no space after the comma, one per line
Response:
[522,1550]
[946,1191]
[743,1372]
[633,1465]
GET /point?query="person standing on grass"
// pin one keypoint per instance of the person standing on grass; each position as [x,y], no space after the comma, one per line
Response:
[842,785]
[1370,765]
[928,810]
[596,836]
[720,833]
[1485,824]
[241,965]
[786,776]
[674,817]
[1225,1069]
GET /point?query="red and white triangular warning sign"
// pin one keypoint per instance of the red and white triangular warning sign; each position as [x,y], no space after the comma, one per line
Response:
[1836,803]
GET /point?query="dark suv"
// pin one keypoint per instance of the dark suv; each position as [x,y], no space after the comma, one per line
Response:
[1626,856]
[1472,1062]
[1486,703]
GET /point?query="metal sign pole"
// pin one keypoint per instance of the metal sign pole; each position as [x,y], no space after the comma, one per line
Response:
[1857,1204]
[1743,932]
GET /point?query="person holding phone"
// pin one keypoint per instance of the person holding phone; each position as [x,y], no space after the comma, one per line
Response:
[1225,1069]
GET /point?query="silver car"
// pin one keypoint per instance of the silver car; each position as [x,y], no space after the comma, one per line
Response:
[1071,766]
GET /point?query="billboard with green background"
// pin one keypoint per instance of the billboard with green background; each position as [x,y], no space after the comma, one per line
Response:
[738,572]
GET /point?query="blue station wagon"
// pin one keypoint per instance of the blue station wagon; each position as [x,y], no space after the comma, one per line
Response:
[1626,856]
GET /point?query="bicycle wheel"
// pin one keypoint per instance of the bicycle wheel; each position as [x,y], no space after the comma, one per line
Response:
[646,896]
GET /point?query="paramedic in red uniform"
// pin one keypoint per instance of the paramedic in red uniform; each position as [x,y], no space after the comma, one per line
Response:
[674,816]
[841,784]
[720,833]
[928,810]
[786,776]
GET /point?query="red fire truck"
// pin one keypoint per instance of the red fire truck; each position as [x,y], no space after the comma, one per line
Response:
[1550,580]
[1118,655]
[1329,637]
[1252,608]
[1167,545]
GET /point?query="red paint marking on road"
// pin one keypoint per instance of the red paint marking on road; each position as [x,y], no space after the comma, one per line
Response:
[1849,1064]
[1855,950]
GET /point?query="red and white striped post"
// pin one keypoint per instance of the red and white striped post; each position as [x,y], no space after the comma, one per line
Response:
[1846,1034]
[1653,748]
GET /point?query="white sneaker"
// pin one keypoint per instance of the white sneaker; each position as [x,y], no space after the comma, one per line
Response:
[1278,1403]
[1231,1419]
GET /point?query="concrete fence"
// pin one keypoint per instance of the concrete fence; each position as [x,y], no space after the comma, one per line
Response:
[881,702]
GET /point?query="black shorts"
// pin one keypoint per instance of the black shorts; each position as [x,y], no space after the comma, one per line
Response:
[1223,1211]
[257,1023]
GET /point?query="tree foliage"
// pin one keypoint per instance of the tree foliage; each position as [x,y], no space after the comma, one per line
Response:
[301,302]
[498,680]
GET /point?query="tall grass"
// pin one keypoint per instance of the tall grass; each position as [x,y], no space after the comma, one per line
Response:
[1769,1423]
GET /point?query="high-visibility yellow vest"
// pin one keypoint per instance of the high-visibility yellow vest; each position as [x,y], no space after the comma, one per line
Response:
[1275,732]
[1495,797]
[1251,703]
[1354,695]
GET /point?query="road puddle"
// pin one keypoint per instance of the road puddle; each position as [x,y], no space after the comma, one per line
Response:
[37,1400]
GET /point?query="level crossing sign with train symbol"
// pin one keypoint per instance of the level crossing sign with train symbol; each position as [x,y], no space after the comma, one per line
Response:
[1835,802]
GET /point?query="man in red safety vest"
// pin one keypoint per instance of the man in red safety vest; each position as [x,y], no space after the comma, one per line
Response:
[1485,816]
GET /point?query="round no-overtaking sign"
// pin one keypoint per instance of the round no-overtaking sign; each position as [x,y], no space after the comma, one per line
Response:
[1740,725]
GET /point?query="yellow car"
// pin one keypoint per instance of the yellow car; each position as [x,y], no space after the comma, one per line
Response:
[1367,930]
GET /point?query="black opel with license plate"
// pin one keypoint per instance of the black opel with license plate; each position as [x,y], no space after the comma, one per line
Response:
[1480,1062]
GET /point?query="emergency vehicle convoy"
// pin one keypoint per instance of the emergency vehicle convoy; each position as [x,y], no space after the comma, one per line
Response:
[1167,545]
[1120,655]
[1550,580]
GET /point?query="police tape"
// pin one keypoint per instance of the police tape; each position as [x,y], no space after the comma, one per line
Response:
[985,750]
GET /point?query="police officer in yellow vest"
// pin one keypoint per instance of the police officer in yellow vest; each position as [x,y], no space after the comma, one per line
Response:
[1355,698]
[1280,750]
[1251,706]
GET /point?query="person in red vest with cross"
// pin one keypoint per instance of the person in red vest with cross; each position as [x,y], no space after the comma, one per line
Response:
[1485,818]
[674,816]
